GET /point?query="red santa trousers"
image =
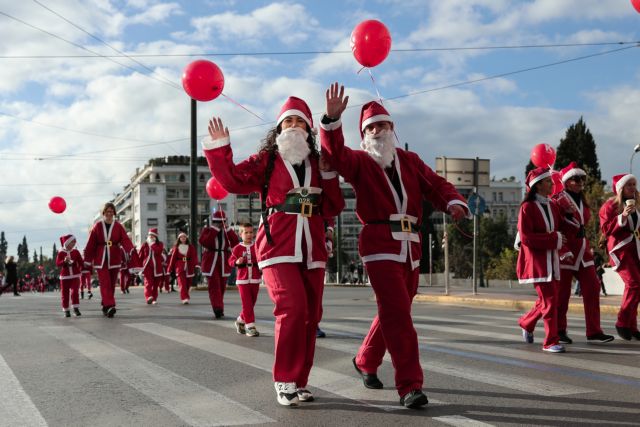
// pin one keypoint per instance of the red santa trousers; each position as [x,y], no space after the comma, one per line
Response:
[216,285]
[85,281]
[395,284]
[184,284]
[546,306]
[248,297]
[70,286]
[107,279]
[151,285]
[297,294]
[124,280]
[628,314]
[590,288]
[166,281]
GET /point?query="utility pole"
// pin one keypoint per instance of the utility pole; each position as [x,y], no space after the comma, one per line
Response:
[445,237]
[193,163]
[475,224]
[337,237]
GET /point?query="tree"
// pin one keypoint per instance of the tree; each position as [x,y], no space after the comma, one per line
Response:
[529,168]
[54,255]
[3,250]
[23,251]
[35,257]
[578,145]
[503,267]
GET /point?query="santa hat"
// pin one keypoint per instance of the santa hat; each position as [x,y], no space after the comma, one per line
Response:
[295,107]
[67,238]
[373,112]
[153,232]
[619,181]
[570,171]
[218,215]
[182,234]
[536,175]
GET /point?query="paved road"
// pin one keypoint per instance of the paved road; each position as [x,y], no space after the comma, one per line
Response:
[171,365]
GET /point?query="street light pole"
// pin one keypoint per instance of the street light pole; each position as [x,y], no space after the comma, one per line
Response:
[635,150]
[193,191]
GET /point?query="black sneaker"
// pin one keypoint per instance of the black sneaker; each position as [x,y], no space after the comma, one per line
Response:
[104,310]
[82,295]
[90,295]
[218,313]
[564,338]
[636,335]
[599,338]
[414,399]
[369,380]
[625,333]
[67,313]
[111,312]
[76,311]
[320,333]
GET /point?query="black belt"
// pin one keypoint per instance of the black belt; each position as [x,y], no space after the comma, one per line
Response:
[185,259]
[245,265]
[216,250]
[304,209]
[401,225]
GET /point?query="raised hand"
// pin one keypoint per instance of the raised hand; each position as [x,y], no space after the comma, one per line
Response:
[336,101]
[217,129]
[457,212]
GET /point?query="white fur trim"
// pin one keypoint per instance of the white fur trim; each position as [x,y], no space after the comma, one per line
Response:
[293,112]
[539,178]
[623,181]
[329,175]
[559,240]
[573,172]
[331,126]
[622,220]
[374,119]
[210,144]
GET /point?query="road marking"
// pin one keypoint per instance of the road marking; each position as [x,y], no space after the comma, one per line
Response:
[16,408]
[194,404]
[459,421]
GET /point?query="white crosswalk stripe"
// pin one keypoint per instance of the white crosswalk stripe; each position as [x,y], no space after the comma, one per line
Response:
[16,408]
[459,421]
[193,403]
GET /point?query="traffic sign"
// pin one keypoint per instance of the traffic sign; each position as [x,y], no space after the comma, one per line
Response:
[477,204]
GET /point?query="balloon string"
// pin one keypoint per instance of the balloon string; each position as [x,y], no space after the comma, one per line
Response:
[243,107]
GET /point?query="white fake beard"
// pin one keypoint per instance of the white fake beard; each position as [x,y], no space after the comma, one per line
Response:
[380,147]
[292,145]
[151,240]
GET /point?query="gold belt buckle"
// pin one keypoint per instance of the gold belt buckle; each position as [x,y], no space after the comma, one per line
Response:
[405,225]
[184,258]
[306,209]
[637,233]
[109,244]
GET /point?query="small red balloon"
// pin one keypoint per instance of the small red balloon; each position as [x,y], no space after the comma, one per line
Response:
[215,189]
[57,205]
[370,42]
[203,80]
[556,177]
[543,156]
[636,5]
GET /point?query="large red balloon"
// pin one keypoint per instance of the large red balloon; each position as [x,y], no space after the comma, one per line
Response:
[203,80]
[215,189]
[636,5]
[370,42]
[556,177]
[57,204]
[543,156]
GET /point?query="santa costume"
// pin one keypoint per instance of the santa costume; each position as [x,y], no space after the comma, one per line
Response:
[389,205]
[85,280]
[70,262]
[248,278]
[124,273]
[290,243]
[623,244]
[183,262]
[151,256]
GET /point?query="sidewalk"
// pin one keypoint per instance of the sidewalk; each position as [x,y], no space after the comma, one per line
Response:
[519,298]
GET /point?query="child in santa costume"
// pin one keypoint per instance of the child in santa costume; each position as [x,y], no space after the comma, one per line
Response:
[103,253]
[620,223]
[538,262]
[70,262]
[248,278]
[391,185]
[85,280]
[217,241]
[152,258]
[290,246]
[183,262]
[578,261]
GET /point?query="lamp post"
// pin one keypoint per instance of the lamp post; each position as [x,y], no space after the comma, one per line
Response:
[635,150]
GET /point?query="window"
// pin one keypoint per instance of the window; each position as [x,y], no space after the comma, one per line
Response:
[151,190]
[500,196]
[152,221]
[182,178]
[494,197]
[152,206]
[157,177]
[172,193]
[201,177]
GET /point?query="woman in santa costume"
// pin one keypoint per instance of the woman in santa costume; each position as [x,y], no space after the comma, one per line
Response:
[103,253]
[217,241]
[151,256]
[183,261]
[290,245]
[391,185]
[248,278]
[69,260]
[578,261]
[620,223]
[538,262]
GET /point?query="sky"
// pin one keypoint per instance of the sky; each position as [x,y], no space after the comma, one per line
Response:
[91,89]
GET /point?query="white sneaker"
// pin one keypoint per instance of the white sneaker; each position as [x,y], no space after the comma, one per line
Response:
[304,395]
[154,302]
[252,332]
[240,327]
[287,394]
[558,348]
[185,301]
[527,336]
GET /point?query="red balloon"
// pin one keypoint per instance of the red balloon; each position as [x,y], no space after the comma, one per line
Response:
[203,80]
[215,189]
[556,177]
[543,156]
[57,204]
[370,42]
[636,5]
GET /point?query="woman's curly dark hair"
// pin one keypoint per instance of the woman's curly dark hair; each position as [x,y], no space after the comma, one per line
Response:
[268,146]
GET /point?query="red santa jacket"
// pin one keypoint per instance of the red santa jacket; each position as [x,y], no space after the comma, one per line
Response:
[103,248]
[152,258]
[248,271]
[69,270]
[187,261]
[216,252]
[391,223]
[538,259]
[623,234]
[573,228]
[319,195]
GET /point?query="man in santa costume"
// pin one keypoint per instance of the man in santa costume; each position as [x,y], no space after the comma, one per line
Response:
[578,261]
[70,262]
[183,261]
[391,184]
[248,278]
[298,194]
[217,241]
[152,258]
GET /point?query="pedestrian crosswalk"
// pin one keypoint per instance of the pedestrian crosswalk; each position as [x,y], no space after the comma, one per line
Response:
[16,408]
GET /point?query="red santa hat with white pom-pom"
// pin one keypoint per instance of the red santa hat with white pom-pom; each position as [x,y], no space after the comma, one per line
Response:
[619,181]
[536,175]
[294,106]
[570,171]
[67,238]
[373,112]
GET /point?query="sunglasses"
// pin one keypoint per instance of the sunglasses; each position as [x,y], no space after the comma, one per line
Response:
[578,178]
